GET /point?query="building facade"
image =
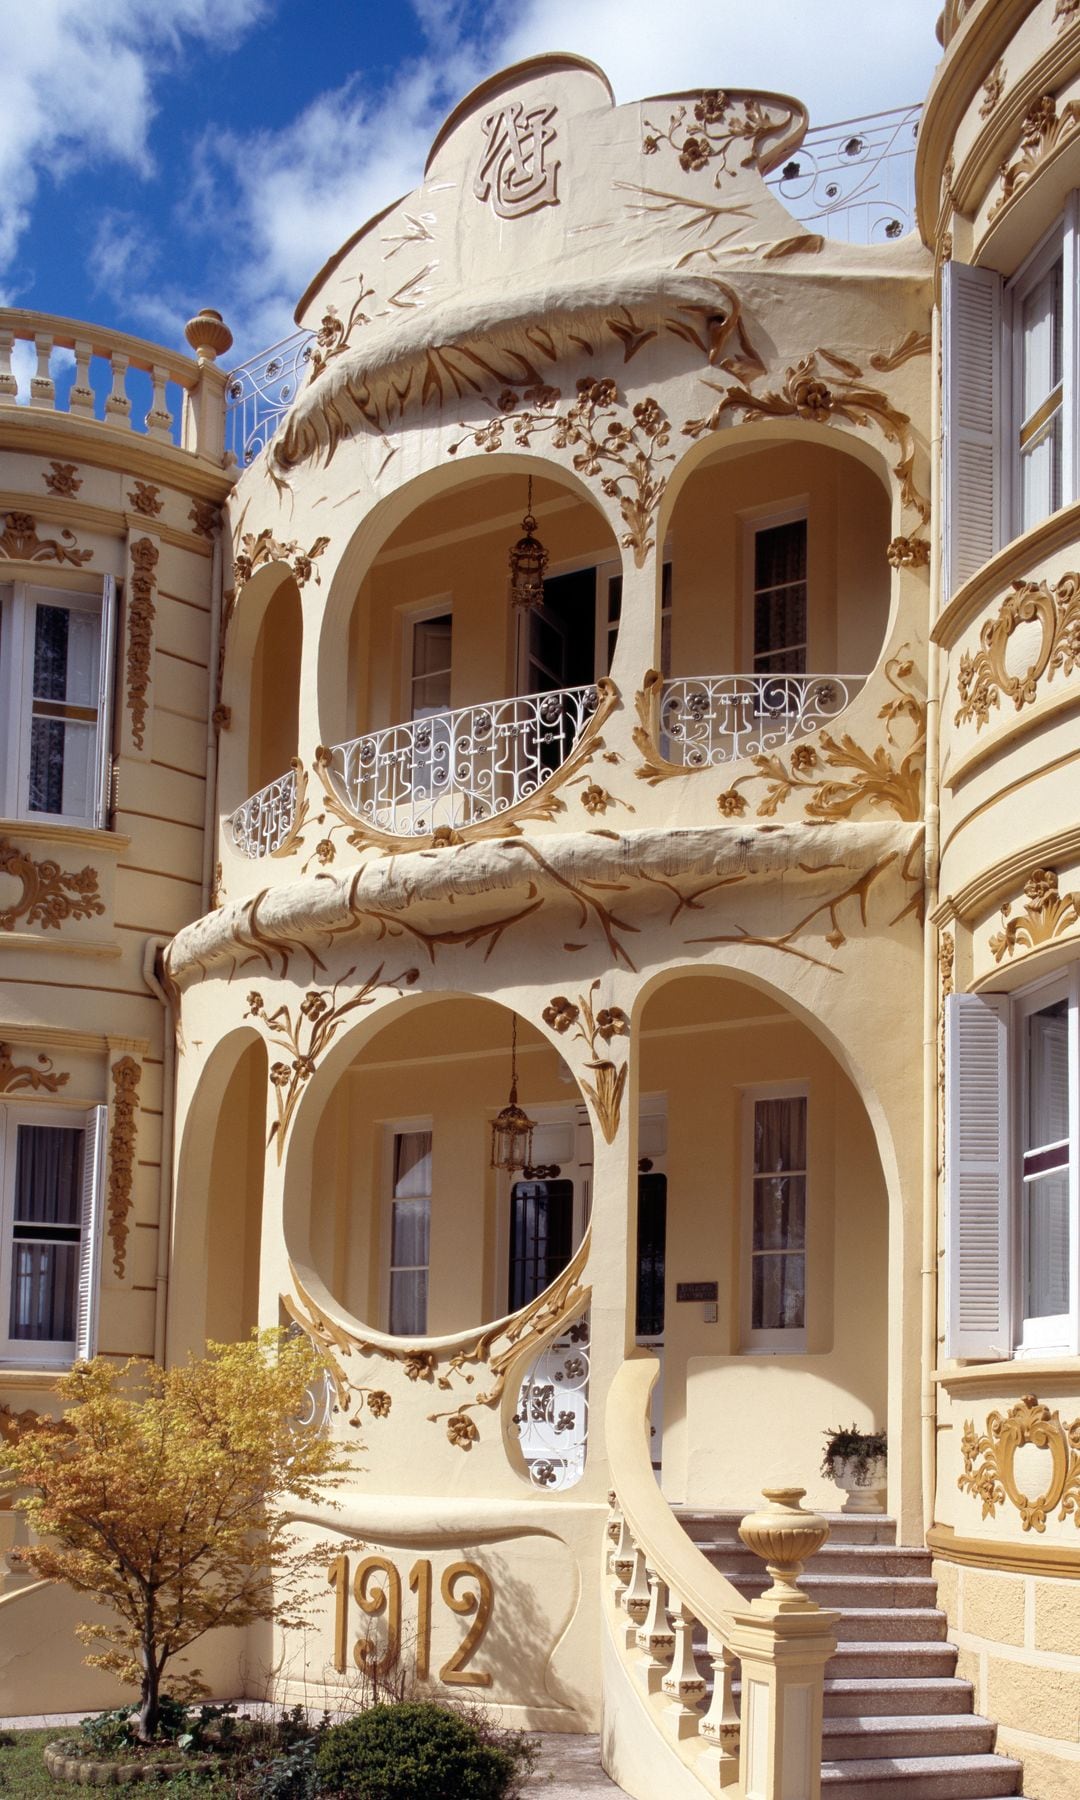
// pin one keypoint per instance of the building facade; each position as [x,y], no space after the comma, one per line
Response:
[633,677]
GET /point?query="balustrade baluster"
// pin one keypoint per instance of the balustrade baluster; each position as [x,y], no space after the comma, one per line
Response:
[637,1597]
[42,385]
[684,1683]
[9,387]
[118,405]
[720,1726]
[655,1638]
[159,419]
[81,397]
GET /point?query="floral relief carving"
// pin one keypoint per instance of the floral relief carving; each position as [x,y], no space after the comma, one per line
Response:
[50,895]
[623,451]
[205,518]
[766,127]
[888,777]
[306,1038]
[492,1357]
[822,388]
[143,555]
[335,334]
[990,1474]
[983,678]
[146,499]
[19,542]
[126,1076]
[590,1023]
[993,88]
[1043,132]
[1065,12]
[1047,915]
[914,343]
[908,553]
[62,478]
[263,547]
[35,1077]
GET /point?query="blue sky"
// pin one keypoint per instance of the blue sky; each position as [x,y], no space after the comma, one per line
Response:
[161,155]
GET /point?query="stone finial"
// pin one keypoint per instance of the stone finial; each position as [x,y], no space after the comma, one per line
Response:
[208,334]
[785,1535]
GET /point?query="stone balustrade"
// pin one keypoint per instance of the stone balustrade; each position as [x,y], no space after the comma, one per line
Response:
[664,1598]
[184,398]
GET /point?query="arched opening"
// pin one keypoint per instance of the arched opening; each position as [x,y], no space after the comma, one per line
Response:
[402,1217]
[772,1325]
[215,1281]
[275,688]
[457,702]
[778,601]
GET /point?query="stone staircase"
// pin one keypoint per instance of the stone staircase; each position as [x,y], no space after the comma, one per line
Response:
[898,1725]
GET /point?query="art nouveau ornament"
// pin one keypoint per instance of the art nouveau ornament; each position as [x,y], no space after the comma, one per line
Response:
[514,172]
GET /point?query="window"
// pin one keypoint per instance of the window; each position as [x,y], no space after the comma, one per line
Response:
[1012,1087]
[1011,404]
[56,653]
[651,1254]
[775,1150]
[779,598]
[541,1237]
[609,598]
[429,679]
[51,1168]
[410,1232]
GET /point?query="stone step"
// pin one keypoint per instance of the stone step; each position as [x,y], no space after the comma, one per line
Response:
[844,1528]
[922,1778]
[887,1624]
[941,1695]
[897,1659]
[732,1559]
[897,1735]
[848,1591]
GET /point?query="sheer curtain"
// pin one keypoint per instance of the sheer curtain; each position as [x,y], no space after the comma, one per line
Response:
[778,1248]
[46,1229]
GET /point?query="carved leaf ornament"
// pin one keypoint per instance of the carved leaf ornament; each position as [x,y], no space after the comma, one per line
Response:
[990,1473]
[1034,634]
[1046,916]
[38,1076]
[50,895]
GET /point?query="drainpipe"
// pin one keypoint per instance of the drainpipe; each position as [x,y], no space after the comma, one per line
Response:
[153,949]
[212,700]
[929,1272]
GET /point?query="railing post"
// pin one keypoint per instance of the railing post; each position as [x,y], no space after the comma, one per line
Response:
[720,1726]
[117,402]
[204,405]
[81,397]
[42,385]
[159,419]
[783,1642]
[9,387]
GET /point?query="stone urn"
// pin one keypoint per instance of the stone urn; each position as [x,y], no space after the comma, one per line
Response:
[864,1480]
[785,1535]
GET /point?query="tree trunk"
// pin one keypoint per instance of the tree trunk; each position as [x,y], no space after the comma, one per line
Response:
[150,1697]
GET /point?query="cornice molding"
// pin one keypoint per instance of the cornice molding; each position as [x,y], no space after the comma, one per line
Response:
[115,523]
[999,135]
[85,837]
[1004,881]
[993,1553]
[1019,726]
[49,434]
[1014,562]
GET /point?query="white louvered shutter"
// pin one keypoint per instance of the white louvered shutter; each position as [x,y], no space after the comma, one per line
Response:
[103,765]
[972,419]
[93,1210]
[977,1177]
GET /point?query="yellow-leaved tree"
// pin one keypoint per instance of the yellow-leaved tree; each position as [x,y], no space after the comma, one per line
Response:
[167,1495]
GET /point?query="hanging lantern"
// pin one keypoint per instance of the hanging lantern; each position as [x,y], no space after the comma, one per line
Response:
[528,561]
[512,1131]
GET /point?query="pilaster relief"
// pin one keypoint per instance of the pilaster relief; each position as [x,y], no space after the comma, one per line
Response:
[1034,634]
[1047,915]
[39,1076]
[49,895]
[63,479]
[990,1474]
[19,542]
[1043,132]
[590,1023]
[259,548]
[306,1038]
[143,556]
[126,1075]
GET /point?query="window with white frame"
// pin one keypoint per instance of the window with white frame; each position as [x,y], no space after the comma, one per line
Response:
[1011,398]
[779,596]
[410,1230]
[775,1180]
[430,664]
[56,656]
[51,1178]
[1012,1168]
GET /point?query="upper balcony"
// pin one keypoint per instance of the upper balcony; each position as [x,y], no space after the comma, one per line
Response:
[114,383]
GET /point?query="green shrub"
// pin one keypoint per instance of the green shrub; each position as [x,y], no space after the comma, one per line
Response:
[416,1750]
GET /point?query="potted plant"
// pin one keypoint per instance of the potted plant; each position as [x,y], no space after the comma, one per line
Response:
[856,1461]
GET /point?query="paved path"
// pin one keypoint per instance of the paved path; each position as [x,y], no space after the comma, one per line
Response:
[569,1766]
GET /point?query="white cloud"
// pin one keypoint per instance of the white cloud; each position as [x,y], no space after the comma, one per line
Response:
[78,78]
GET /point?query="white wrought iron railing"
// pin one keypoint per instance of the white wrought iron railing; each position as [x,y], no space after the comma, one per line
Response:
[854,180]
[65,366]
[552,1415]
[262,824]
[458,767]
[260,392]
[707,719]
